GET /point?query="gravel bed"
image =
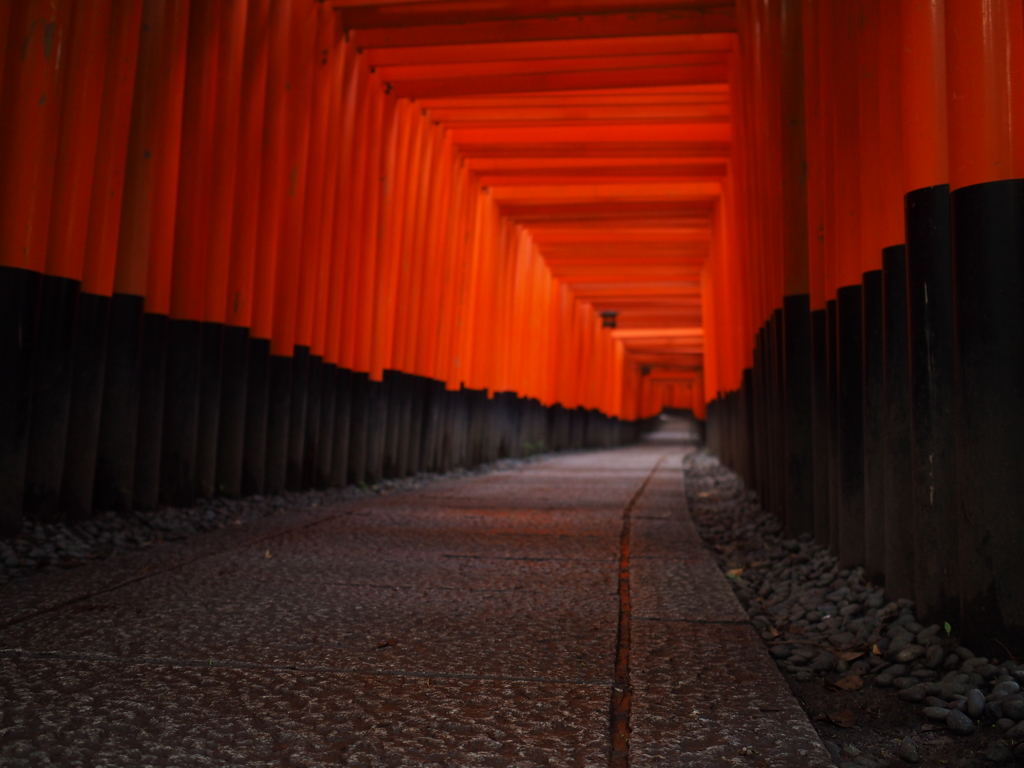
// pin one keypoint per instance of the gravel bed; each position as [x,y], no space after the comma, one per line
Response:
[41,546]
[825,623]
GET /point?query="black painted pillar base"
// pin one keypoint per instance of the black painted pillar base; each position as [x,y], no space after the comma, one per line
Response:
[746,416]
[234,395]
[298,400]
[932,425]
[51,396]
[405,428]
[149,430]
[324,461]
[417,417]
[874,428]
[19,293]
[899,517]
[210,380]
[433,426]
[820,425]
[279,397]
[358,427]
[851,425]
[340,432]
[254,458]
[376,429]
[834,493]
[115,451]
[799,475]
[314,404]
[989,294]
[178,477]
[392,386]
[85,409]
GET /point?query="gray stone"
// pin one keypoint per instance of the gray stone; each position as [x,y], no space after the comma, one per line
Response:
[823,662]
[908,750]
[994,710]
[904,682]
[997,752]
[988,671]
[898,644]
[1016,732]
[935,701]
[1013,708]
[1004,724]
[883,680]
[781,651]
[964,653]
[936,713]
[1008,687]
[842,640]
[959,723]
[909,653]
[913,694]
[975,703]
[949,690]
[934,657]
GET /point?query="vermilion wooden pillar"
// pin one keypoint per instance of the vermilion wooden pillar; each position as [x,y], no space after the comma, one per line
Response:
[95,302]
[985,71]
[242,427]
[294,262]
[168,81]
[289,366]
[814,133]
[223,352]
[898,524]
[871,288]
[146,224]
[847,21]
[5,20]
[799,477]
[269,379]
[192,226]
[338,306]
[327,314]
[65,257]
[314,279]
[930,308]
[30,100]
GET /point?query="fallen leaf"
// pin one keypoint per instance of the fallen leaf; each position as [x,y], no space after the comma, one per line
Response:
[876,650]
[844,719]
[774,631]
[735,573]
[850,683]
[267,554]
[848,655]
[387,643]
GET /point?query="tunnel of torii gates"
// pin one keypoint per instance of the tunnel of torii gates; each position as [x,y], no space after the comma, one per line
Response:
[256,245]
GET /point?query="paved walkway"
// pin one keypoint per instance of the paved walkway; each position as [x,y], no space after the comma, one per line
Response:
[491,621]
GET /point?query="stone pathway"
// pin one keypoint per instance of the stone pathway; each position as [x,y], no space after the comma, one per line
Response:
[563,613]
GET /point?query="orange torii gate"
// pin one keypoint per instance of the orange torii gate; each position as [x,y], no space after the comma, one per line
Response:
[252,245]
